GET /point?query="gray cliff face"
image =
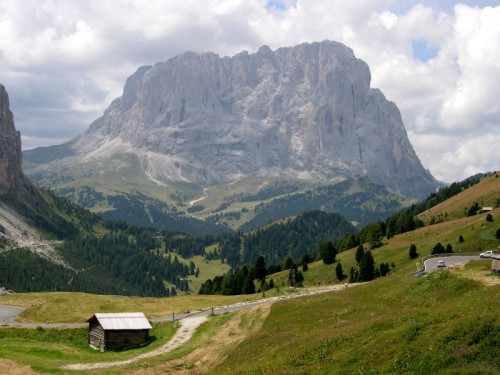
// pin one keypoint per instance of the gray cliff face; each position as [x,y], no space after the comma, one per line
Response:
[12,179]
[307,111]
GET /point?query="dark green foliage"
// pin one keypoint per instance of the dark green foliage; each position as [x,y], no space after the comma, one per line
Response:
[413,251]
[367,267]
[449,248]
[327,251]
[360,251]
[230,249]
[260,268]
[384,269]
[438,249]
[489,217]
[142,210]
[288,263]
[271,284]
[473,210]
[339,272]
[187,245]
[347,241]
[331,198]
[194,209]
[460,239]
[248,286]
[305,267]
[232,283]
[127,256]
[353,275]
[293,238]
[299,278]
[497,234]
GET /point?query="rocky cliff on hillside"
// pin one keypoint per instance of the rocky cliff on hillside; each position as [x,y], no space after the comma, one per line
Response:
[305,112]
[12,179]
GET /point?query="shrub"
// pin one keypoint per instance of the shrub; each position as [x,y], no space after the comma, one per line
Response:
[413,251]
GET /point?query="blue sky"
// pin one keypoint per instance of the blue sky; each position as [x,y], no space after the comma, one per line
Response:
[63,62]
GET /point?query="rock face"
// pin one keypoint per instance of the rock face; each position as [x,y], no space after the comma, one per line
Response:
[306,112]
[12,179]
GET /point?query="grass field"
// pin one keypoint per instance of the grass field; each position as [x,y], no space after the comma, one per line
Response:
[65,307]
[446,322]
[46,350]
[443,323]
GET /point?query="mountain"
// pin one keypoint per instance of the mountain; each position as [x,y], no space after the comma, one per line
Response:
[305,113]
[12,179]
[48,243]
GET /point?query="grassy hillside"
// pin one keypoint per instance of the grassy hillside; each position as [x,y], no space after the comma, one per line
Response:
[395,325]
[486,193]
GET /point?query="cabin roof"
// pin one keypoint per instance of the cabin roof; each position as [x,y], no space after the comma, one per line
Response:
[121,321]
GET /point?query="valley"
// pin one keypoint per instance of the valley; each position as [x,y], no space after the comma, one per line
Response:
[240,184]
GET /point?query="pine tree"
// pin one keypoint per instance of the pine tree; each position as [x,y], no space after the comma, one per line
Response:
[367,267]
[339,272]
[328,252]
[260,268]
[413,251]
[360,251]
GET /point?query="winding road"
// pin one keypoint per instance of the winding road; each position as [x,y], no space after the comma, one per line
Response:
[431,264]
[8,314]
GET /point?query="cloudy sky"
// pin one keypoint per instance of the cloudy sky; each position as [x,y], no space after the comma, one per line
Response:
[63,61]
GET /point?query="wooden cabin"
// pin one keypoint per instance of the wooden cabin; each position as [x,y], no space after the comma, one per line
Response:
[118,330]
[495,263]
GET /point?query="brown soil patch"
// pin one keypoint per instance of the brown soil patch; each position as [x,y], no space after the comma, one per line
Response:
[13,368]
[200,361]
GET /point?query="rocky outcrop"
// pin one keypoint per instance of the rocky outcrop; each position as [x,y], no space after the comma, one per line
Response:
[306,112]
[12,179]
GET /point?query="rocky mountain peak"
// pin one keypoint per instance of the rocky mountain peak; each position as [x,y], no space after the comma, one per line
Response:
[12,179]
[305,112]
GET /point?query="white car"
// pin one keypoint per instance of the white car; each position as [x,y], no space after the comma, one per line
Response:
[441,263]
[486,254]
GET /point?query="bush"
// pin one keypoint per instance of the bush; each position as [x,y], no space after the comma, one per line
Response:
[438,249]
[413,251]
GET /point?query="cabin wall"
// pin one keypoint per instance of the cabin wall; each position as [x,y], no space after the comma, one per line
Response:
[126,338]
[96,336]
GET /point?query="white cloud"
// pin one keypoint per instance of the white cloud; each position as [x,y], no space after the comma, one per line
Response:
[64,61]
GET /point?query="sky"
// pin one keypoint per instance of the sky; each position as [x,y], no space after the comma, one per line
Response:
[64,61]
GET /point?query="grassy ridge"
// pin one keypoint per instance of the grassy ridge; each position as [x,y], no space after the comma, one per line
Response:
[395,325]
[65,307]
[486,193]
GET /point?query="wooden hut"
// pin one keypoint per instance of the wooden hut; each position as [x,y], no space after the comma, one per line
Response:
[495,263]
[118,330]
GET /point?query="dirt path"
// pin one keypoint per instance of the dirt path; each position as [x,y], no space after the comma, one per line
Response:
[189,324]
[184,333]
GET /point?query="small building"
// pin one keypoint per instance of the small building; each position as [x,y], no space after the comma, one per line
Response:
[118,330]
[486,209]
[495,263]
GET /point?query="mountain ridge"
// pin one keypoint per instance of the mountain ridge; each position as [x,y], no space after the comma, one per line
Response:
[304,112]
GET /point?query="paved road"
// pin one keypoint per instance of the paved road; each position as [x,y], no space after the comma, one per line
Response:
[8,314]
[431,264]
